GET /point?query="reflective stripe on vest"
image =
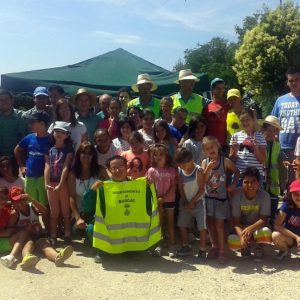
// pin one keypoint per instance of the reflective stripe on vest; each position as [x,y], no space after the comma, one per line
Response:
[126,225]
[273,175]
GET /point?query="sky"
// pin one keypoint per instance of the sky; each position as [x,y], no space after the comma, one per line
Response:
[39,34]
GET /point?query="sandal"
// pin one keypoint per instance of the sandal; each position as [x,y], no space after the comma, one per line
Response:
[29,261]
[63,255]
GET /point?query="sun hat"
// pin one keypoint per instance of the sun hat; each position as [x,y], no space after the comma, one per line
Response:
[141,79]
[186,75]
[84,91]
[233,93]
[39,116]
[263,236]
[41,90]
[16,193]
[295,186]
[215,81]
[273,121]
[60,125]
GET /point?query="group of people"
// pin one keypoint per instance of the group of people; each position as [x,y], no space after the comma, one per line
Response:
[213,168]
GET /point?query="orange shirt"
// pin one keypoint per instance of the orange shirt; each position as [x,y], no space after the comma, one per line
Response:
[144,157]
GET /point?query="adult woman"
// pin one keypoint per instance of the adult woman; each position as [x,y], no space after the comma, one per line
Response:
[83,175]
[64,111]
[124,96]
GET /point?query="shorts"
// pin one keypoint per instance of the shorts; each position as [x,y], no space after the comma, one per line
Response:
[168,205]
[35,187]
[186,217]
[5,245]
[217,208]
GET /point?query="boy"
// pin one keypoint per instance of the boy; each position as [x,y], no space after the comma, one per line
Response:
[251,208]
[192,206]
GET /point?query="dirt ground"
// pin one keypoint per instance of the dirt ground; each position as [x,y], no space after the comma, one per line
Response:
[140,276]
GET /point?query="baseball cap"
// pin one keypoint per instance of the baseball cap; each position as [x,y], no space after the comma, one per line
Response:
[16,193]
[295,186]
[215,81]
[233,93]
[60,125]
[39,116]
[41,90]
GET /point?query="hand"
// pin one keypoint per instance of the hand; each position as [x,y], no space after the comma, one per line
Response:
[22,171]
[212,164]
[247,234]
[286,163]
[57,188]
[244,243]
[80,224]
[26,198]
[191,205]
[160,200]
[231,188]
[96,185]
[49,187]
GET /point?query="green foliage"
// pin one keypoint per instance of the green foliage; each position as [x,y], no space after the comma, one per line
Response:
[23,102]
[266,51]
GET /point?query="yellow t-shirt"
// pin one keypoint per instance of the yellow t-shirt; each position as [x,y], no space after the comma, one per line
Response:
[233,124]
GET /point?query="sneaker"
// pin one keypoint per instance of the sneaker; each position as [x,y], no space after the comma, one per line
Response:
[202,254]
[282,255]
[246,252]
[29,261]
[172,252]
[212,253]
[185,250]
[156,252]
[258,255]
[98,258]
[8,261]
[222,258]
[63,255]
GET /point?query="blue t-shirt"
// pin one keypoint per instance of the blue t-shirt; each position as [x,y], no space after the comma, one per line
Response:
[36,148]
[292,220]
[178,133]
[287,110]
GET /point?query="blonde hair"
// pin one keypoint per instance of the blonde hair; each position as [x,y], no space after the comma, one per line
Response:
[210,140]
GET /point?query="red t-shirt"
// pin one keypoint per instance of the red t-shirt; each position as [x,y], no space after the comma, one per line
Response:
[216,125]
[106,123]
[4,217]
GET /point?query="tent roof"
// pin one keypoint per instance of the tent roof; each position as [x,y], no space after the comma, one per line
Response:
[105,73]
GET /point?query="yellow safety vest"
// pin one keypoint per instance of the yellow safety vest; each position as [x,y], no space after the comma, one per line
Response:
[154,105]
[194,105]
[273,169]
[128,224]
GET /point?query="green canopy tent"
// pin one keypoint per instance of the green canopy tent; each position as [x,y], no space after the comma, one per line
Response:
[105,73]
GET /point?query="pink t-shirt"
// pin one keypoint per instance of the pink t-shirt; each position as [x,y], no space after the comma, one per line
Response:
[144,157]
[163,179]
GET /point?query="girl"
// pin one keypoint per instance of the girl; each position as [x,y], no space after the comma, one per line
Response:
[136,143]
[9,175]
[65,112]
[111,123]
[124,96]
[135,169]
[215,167]
[147,129]
[248,147]
[196,132]
[134,114]
[58,162]
[164,175]
[287,223]
[166,106]
[124,128]
[162,135]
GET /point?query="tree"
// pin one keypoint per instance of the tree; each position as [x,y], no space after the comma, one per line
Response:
[214,58]
[266,51]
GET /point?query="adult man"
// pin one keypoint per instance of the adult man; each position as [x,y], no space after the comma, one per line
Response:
[56,92]
[144,87]
[13,127]
[215,112]
[192,102]
[84,101]
[287,110]
[41,100]
[104,102]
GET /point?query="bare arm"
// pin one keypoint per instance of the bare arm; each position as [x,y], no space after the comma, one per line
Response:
[47,172]
[278,226]
[229,165]
[65,171]
[20,154]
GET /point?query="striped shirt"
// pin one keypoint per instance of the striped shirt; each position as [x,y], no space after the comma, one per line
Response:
[245,155]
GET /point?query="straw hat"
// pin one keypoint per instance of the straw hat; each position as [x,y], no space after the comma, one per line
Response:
[143,78]
[186,75]
[271,120]
[84,91]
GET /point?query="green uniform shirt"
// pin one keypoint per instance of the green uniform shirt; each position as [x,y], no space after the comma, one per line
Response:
[153,105]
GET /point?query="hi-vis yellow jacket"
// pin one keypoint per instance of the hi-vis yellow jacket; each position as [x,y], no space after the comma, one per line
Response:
[126,217]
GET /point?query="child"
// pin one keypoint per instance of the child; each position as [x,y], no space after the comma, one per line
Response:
[296,161]
[196,132]
[58,163]
[215,167]
[9,175]
[287,223]
[31,152]
[110,123]
[271,128]
[162,135]
[10,240]
[135,168]
[192,205]
[251,208]
[134,113]
[148,117]
[136,142]
[248,147]
[166,106]
[164,177]
[28,210]
[124,128]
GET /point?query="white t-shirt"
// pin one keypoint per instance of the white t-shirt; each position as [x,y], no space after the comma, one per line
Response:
[19,182]
[102,158]
[121,144]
